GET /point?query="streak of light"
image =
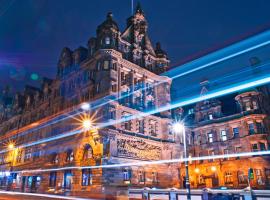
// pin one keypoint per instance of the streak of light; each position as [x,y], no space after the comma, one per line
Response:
[252,40]
[42,195]
[157,162]
[231,89]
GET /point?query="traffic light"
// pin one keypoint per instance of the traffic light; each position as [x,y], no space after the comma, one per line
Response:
[250,173]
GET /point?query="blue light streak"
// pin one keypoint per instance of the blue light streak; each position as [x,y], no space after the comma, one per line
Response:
[157,162]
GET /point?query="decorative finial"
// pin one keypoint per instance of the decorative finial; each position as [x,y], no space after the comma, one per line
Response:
[109,15]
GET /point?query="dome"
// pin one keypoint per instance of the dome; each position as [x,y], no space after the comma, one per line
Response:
[108,24]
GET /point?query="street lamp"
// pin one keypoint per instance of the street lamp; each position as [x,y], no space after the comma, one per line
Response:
[10,146]
[179,128]
[87,124]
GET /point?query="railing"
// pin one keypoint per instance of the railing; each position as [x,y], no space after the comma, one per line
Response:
[175,194]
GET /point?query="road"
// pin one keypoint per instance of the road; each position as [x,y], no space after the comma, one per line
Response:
[4,195]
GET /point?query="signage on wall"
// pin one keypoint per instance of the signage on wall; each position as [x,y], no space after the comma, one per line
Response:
[138,149]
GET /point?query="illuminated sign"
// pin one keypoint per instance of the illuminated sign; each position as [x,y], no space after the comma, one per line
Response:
[138,149]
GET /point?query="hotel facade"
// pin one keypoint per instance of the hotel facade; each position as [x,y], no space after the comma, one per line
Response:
[117,74]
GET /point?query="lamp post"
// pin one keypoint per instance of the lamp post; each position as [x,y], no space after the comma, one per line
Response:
[180,128]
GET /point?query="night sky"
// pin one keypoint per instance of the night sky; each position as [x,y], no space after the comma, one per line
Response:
[33,32]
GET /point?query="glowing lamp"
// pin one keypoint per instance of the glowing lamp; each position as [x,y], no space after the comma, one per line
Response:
[85,106]
[10,146]
[213,169]
[87,124]
[178,127]
[197,170]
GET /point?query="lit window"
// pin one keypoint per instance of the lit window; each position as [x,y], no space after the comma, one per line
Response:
[236,132]
[190,111]
[210,116]
[223,135]
[153,127]
[86,177]
[259,177]
[107,40]
[254,104]
[127,174]
[28,154]
[248,106]
[97,87]
[210,137]
[201,180]
[98,66]
[242,178]
[106,65]
[228,177]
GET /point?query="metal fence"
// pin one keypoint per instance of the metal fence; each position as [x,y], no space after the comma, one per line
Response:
[173,194]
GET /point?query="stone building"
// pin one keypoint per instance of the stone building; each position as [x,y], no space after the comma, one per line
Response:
[117,74]
[237,123]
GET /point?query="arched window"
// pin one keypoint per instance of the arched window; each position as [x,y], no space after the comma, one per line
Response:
[70,155]
[88,152]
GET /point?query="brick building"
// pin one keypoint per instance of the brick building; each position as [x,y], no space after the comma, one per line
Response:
[114,65]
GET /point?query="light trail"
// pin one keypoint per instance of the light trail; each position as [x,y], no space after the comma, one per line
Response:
[198,98]
[249,44]
[42,195]
[142,163]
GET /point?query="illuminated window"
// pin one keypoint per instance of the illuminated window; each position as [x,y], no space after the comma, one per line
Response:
[98,66]
[87,177]
[210,137]
[255,105]
[107,40]
[210,116]
[106,65]
[236,132]
[126,174]
[259,177]
[28,154]
[242,178]
[228,177]
[97,87]
[223,135]
[201,180]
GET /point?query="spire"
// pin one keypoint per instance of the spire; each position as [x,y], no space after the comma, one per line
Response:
[139,8]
